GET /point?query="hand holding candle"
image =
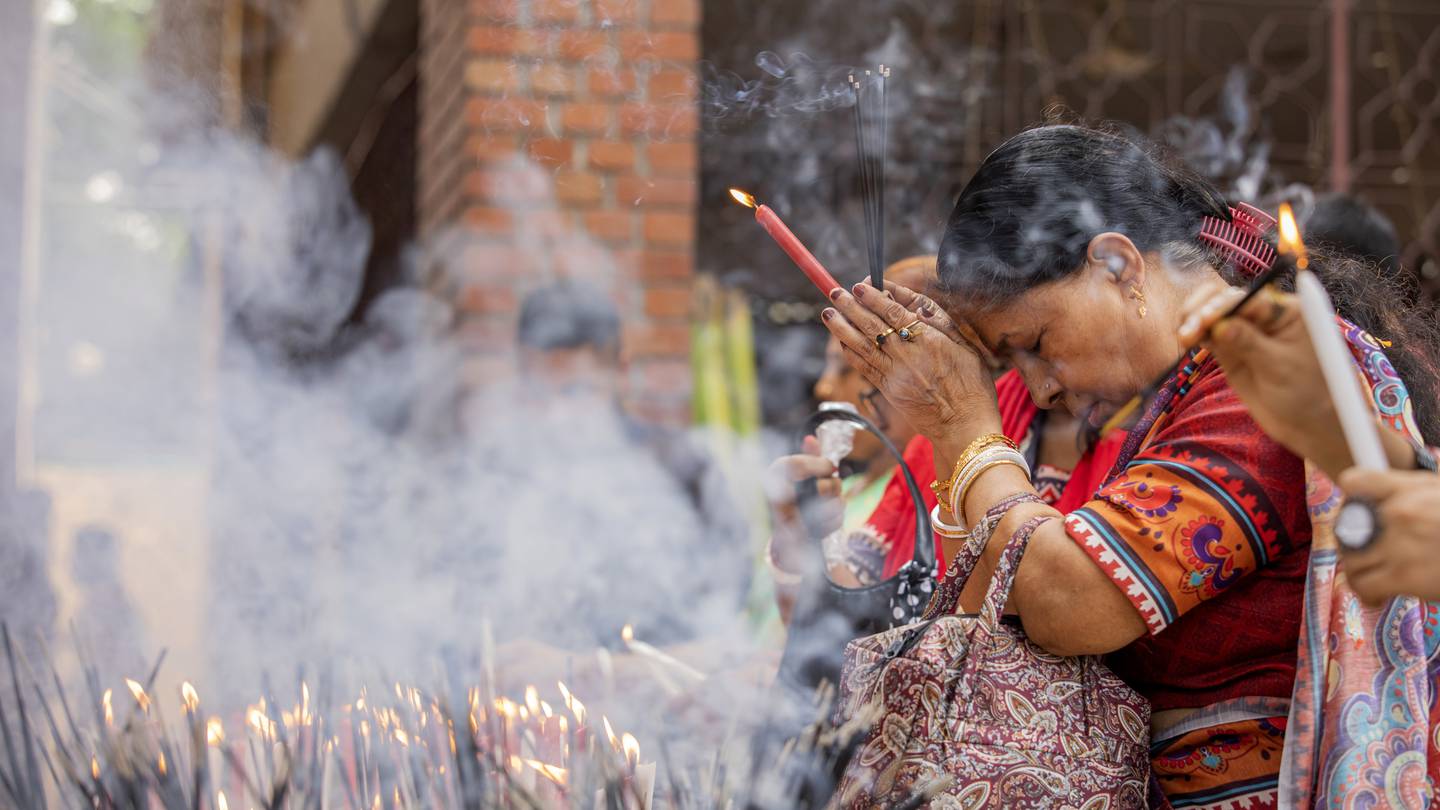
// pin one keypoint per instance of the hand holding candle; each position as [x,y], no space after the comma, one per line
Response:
[1276,349]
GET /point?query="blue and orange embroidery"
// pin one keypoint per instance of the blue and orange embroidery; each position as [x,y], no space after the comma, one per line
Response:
[1212,564]
[1146,498]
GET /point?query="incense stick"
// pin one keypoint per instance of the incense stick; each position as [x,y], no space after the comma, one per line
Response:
[870,113]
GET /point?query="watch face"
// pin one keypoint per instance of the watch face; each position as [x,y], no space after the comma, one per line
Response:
[1355,525]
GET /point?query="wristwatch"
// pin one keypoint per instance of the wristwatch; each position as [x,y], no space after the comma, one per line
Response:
[1424,459]
[1357,525]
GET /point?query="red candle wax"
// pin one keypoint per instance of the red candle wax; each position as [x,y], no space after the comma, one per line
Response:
[803,258]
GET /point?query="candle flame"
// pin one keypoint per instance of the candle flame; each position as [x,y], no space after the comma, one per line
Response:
[220,803]
[94,767]
[610,732]
[554,773]
[532,700]
[627,633]
[578,709]
[190,696]
[214,732]
[139,692]
[402,737]
[161,762]
[631,746]
[546,710]
[109,710]
[564,692]
[747,200]
[1290,242]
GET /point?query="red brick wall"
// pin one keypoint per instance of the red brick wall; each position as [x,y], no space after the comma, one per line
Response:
[600,97]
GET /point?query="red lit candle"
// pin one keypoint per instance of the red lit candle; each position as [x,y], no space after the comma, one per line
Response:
[791,244]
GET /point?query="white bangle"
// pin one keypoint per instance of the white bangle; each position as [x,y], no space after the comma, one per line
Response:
[989,458]
[783,578]
[944,529]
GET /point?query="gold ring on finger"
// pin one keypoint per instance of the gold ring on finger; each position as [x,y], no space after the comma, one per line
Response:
[880,338]
[908,333]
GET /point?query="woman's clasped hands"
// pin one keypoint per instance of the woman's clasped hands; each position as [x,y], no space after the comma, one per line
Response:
[908,348]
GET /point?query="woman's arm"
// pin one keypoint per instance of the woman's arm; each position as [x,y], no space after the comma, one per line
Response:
[1067,604]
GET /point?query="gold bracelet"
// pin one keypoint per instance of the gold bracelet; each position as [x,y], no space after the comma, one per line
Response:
[942,488]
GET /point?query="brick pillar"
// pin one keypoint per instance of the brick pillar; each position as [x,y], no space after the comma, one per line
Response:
[558,138]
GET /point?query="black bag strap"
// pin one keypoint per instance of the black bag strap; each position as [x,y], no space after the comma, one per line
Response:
[924,554]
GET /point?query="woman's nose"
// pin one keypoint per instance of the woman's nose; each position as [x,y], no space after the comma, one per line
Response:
[1044,390]
[824,388]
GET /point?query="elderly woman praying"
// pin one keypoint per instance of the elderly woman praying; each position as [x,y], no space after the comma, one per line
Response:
[1070,254]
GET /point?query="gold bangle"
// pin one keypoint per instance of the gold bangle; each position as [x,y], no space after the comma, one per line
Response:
[975,448]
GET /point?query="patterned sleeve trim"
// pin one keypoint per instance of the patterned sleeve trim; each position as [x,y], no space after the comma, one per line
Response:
[1129,572]
[860,551]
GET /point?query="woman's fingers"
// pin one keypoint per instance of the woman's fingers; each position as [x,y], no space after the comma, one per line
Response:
[860,348]
[925,308]
[907,297]
[1270,310]
[1204,307]
[853,304]
[885,307]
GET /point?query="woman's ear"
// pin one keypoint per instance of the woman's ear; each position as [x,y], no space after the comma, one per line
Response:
[1114,255]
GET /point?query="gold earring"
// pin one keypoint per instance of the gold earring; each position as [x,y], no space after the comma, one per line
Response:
[1139,295]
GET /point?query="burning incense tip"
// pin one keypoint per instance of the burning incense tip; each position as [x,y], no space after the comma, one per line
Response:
[610,732]
[190,696]
[94,768]
[161,762]
[553,773]
[214,732]
[1290,242]
[747,200]
[139,692]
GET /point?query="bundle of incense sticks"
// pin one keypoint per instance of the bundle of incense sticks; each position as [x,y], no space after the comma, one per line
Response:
[456,746]
[871,140]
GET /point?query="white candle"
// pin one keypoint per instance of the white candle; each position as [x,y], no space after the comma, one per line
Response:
[1357,419]
[645,784]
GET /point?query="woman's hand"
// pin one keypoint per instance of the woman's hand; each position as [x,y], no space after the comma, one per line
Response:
[790,540]
[1270,362]
[936,379]
[1405,558]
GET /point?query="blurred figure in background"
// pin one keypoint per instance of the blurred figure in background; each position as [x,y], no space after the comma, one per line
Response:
[108,622]
[1348,224]
[631,523]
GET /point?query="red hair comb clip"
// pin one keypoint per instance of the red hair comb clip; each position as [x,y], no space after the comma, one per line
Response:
[1241,240]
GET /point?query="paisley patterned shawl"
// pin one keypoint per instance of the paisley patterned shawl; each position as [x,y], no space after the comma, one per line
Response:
[1364,719]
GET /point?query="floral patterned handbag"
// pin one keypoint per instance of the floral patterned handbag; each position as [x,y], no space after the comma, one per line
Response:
[973,699]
